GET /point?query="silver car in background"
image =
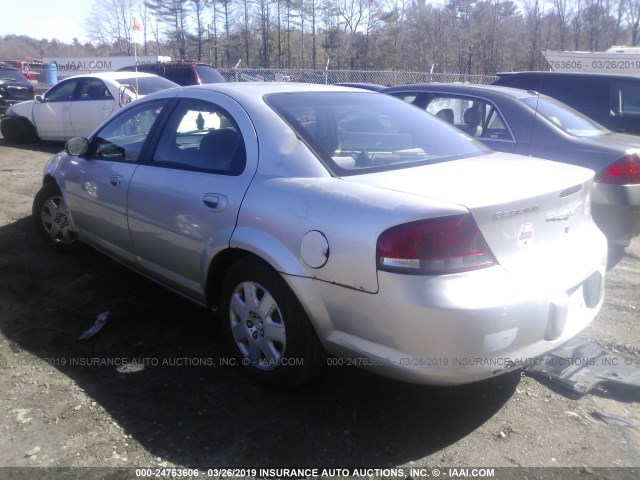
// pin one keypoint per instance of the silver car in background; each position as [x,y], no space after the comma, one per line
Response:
[317,219]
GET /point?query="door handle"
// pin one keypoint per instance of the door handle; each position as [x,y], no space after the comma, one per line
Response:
[114,181]
[214,202]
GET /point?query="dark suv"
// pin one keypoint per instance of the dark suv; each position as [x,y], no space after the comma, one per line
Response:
[14,88]
[611,100]
[183,73]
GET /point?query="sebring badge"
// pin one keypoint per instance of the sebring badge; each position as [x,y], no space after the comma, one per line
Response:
[514,213]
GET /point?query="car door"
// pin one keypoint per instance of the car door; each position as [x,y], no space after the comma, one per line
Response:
[183,205]
[97,185]
[52,116]
[92,105]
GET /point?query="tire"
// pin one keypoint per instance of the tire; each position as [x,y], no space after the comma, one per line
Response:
[51,219]
[17,130]
[266,330]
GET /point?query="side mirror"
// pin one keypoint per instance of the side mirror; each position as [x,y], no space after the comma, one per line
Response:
[77,146]
[39,99]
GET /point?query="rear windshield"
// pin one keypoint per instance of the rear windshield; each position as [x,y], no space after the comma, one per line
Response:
[209,75]
[147,85]
[565,117]
[361,132]
[11,74]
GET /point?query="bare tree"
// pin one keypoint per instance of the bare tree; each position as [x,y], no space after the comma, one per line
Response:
[264,11]
[110,24]
[633,14]
[174,14]
[198,9]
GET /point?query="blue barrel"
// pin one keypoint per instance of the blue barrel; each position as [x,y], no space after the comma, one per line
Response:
[50,73]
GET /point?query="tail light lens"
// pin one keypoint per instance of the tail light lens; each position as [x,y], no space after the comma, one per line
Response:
[434,247]
[625,171]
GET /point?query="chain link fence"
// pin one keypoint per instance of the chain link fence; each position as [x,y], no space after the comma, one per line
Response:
[386,78]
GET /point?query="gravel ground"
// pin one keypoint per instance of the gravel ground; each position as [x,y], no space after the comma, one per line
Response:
[61,406]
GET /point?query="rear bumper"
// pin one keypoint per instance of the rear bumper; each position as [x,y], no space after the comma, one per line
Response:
[620,223]
[455,329]
[616,211]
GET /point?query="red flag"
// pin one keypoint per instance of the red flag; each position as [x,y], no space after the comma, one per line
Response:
[136,25]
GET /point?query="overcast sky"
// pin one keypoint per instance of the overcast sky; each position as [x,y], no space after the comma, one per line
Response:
[61,19]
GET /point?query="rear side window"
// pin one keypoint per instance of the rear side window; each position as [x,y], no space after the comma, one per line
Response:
[202,136]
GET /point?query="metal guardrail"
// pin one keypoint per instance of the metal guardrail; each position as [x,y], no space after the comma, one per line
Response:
[387,78]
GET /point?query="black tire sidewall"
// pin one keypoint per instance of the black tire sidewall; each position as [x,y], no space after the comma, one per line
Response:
[28,131]
[18,130]
[12,130]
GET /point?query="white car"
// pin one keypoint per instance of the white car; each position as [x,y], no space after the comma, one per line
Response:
[77,105]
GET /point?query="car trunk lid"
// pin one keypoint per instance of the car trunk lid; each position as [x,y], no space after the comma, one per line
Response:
[528,210]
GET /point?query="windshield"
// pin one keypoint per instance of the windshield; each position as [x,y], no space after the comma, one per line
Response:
[147,85]
[361,132]
[565,118]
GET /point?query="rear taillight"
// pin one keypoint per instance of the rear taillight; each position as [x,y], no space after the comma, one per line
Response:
[625,171]
[436,246]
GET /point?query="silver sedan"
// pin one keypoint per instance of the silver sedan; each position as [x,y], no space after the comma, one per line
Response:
[319,219]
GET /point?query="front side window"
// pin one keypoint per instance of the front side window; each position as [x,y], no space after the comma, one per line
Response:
[359,132]
[62,92]
[122,138]
[202,136]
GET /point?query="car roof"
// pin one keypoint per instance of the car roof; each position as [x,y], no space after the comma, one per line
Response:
[363,85]
[180,63]
[266,88]
[463,88]
[113,75]
[252,93]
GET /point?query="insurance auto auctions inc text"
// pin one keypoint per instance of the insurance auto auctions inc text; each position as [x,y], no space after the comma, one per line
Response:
[284,473]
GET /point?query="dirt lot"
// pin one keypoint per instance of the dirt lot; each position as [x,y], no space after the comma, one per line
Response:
[60,407]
